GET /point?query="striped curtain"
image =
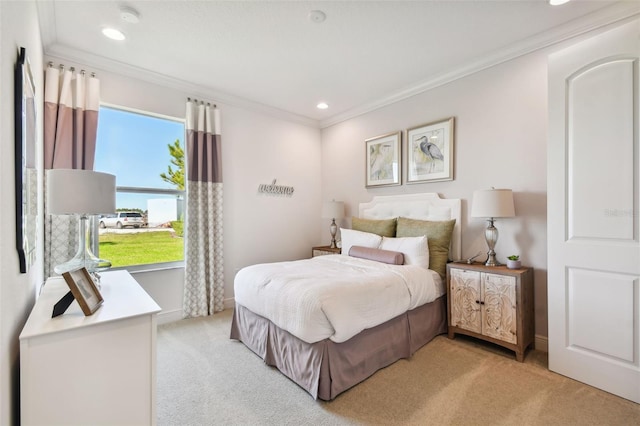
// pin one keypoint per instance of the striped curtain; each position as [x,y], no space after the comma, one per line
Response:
[204,275]
[71,103]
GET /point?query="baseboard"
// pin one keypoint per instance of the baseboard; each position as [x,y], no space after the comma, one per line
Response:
[230,303]
[165,317]
[541,343]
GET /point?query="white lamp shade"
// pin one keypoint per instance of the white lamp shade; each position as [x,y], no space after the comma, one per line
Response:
[493,203]
[333,210]
[80,192]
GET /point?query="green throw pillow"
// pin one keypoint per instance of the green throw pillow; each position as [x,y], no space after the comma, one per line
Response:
[438,238]
[384,227]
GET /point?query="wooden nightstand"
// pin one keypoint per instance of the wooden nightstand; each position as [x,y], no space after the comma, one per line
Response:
[492,303]
[322,250]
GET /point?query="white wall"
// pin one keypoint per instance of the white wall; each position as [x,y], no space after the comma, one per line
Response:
[260,227]
[18,28]
[500,141]
[256,148]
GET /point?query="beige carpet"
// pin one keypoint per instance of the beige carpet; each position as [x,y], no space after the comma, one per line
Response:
[204,378]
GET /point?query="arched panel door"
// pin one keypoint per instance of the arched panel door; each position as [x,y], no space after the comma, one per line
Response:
[593,214]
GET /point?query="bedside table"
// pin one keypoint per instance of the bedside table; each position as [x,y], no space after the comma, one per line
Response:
[322,250]
[491,303]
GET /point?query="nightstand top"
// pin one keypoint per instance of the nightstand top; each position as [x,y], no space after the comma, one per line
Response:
[324,250]
[479,266]
[327,248]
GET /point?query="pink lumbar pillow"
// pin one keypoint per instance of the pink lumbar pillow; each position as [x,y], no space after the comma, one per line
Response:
[384,256]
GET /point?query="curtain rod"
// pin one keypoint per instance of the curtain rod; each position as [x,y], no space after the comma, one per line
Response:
[72,69]
[202,102]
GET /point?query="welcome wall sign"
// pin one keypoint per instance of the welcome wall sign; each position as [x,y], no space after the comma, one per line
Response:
[275,190]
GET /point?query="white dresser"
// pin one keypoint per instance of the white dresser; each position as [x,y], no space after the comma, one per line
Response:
[94,370]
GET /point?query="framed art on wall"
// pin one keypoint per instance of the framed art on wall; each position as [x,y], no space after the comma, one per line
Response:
[26,174]
[430,152]
[383,160]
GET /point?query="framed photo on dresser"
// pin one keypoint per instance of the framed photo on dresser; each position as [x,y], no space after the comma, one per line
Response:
[84,290]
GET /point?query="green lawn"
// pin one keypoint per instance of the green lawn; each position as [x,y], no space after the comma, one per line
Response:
[141,248]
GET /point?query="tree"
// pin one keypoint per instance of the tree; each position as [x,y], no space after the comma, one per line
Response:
[175,177]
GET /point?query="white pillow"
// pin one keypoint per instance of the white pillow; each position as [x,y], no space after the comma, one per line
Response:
[414,249]
[358,238]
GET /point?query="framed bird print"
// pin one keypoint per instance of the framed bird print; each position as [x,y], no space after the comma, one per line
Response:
[383,160]
[430,152]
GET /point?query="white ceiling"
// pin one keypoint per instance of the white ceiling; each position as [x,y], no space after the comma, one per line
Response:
[270,55]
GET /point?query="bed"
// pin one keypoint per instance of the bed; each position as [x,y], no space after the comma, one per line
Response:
[382,314]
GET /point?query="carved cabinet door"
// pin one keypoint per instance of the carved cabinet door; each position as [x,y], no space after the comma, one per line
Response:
[465,300]
[499,307]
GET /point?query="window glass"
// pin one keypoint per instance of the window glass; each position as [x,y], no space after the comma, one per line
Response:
[146,154]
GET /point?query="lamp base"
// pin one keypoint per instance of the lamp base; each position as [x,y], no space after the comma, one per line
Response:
[92,264]
[83,257]
[333,229]
[491,259]
[491,235]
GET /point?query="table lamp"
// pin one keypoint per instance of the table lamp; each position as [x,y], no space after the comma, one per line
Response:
[333,210]
[83,193]
[492,203]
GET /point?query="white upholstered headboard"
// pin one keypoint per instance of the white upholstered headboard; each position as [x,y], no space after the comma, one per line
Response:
[427,206]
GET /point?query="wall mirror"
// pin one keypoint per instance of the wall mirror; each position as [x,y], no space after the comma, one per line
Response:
[25,163]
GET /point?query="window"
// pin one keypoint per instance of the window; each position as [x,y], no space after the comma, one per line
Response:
[146,154]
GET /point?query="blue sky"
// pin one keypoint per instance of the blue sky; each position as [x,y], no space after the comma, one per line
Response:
[133,147]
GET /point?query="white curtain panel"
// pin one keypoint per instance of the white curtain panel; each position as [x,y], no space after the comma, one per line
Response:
[204,274]
[71,104]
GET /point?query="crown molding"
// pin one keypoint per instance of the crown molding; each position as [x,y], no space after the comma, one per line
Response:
[190,89]
[598,19]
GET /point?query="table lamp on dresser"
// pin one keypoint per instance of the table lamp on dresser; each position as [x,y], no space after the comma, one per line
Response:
[491,204]
[333,210]
[83,193]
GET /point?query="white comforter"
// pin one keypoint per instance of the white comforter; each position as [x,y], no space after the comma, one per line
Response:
[333,296]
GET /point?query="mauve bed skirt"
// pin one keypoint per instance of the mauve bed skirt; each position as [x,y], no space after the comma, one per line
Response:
[325,369]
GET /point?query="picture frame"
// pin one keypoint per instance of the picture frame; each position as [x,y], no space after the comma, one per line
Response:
[26,175]
[84,290]
[430,151]
[383,160]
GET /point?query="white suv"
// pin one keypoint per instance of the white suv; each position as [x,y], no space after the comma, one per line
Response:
[122,219]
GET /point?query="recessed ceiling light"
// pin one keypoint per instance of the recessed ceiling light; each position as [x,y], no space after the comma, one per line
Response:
[322,105]
[558,2]
[113,34]
[317,16]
